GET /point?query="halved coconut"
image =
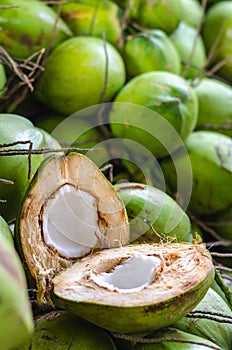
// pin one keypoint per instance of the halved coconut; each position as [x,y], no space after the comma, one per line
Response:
[69,211]
[136,288]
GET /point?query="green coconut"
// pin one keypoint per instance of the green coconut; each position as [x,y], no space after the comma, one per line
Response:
[6,231]
[216,33]
[190,46]
[192,12]
[15,311]
[207,321]
[168,338]
[75,75]
[155,52]
[215,106]
[94,18]
[135,288]
[15,168]
[211,160]
[159,92]
[159,14]
[62,330]
[28,27]
[70,210]
[153,215]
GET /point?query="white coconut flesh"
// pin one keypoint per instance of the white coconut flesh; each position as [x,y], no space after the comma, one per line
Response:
[135,274]
[70,222]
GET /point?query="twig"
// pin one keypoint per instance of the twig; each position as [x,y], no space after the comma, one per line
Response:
[223,268]
[8,6]
[8,60]
[221,255]
[161,340]
[93,19]
[110,167]
[202,312]
[221,243]
[7,182]
[207,315]
[225,126]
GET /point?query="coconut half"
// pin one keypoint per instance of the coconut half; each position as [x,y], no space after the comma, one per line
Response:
[136,288]
[69,211]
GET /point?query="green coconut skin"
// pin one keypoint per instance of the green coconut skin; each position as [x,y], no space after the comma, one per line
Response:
[94,18]
[216,32]
[124,318]
[15,311]
[28,27]
[147,205]
[215,106]
[5,231]
[49,140]
[155,52]
[67,331]
[159,14]
[132,319]
[192,12]
[192,52]
[15,128]
[165,93]
[183,341]
[211,159]
[74,75]
[217,332]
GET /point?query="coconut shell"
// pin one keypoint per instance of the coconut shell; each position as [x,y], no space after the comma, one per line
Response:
[180,282]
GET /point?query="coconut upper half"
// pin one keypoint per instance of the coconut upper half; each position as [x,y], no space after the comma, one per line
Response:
[136,288]
[69,211]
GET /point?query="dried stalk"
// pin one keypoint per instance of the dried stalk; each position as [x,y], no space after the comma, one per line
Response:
[159,340]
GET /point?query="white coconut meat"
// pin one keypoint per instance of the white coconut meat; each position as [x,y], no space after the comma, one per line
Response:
[70,211]
[70,222]
[135,274]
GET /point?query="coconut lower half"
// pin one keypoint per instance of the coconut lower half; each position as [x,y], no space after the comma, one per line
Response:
[136,288]
[70,210]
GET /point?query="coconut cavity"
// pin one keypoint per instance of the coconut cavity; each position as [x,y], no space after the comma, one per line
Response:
[70,222]
[70,210]
[135,274]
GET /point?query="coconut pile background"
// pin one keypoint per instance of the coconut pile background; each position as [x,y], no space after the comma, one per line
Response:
[129,101]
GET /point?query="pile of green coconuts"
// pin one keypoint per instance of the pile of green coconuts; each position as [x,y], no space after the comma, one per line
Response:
[116,174]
